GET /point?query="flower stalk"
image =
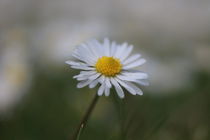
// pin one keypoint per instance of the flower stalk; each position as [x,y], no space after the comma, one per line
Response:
[85,118]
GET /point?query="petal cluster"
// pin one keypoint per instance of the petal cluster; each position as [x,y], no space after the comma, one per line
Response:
[109,65]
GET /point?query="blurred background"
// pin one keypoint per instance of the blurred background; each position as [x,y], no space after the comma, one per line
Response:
[39,99]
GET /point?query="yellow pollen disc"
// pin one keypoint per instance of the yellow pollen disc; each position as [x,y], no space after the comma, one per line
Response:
[108,66]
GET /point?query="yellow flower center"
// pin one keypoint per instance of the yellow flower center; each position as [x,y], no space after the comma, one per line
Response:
[108,66]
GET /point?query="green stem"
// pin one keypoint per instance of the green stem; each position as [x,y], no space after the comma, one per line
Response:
[85,118]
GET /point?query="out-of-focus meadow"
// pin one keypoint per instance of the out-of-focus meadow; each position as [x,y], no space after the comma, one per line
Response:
[39,99]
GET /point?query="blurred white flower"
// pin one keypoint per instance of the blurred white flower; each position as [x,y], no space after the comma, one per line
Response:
[169,76]
[14,71]
[202,57]
[109,64]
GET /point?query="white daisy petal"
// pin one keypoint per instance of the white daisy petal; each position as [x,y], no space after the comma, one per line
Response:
[88,72]
[80,58]
[101,89]
[107,91]
[78,51]
[101,79]
[124,78]
[71,62]
[76,55]
[142,82]
[120,50]
[117,88]
[90,77]
[76,76]
[99,48]
[93,49]
[126,86]
[126,53]
[131,59]
[74,63]
[83,83]
[93,77]
[93,83]
[113,49]
[117,49]
[86,48]
[82,78]
[138,90]
[107,81]
[107,47]
[82,52]
[84,74]
[82,55]
[130,78]
[135,75]
[135,64]
[83,67]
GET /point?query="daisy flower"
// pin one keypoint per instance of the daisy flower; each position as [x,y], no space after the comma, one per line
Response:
[109,65]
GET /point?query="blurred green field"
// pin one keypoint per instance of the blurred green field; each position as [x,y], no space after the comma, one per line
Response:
[54,107]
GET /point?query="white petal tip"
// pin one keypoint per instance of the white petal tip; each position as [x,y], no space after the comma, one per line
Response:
[144,61]
[100,94]
[122,97]
[68,62]
[140,94]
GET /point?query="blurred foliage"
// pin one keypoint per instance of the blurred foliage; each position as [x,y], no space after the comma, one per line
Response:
[53,108]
